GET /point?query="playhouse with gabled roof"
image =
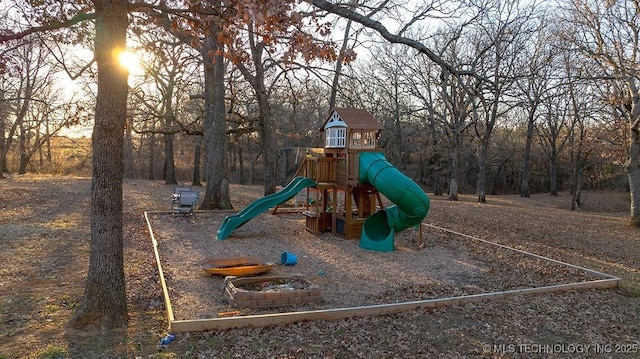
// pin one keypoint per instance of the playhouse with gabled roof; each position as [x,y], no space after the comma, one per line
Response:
[347,132]
[351,128]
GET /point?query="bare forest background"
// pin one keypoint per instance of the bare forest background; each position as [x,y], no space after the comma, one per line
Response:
[547,118]
[71,156]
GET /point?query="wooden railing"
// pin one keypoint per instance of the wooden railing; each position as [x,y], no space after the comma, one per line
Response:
[319,169]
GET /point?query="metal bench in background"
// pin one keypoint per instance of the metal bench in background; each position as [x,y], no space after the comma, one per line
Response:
[184,200]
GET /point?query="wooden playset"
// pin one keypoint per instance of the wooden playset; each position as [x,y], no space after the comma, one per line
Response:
[339,203]
[342,183]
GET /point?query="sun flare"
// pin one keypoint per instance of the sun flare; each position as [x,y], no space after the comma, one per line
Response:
[130,61]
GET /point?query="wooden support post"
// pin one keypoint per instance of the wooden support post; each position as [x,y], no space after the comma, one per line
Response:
[420,239]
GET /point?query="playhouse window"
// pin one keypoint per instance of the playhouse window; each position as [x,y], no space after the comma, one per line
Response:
[335,137]
[365,139]
[356,140]
[369,140]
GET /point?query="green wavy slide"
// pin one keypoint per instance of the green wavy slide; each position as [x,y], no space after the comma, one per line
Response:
[411,204]
[235,221]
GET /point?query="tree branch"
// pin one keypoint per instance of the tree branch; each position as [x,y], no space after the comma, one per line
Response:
[396,39]
[54,25]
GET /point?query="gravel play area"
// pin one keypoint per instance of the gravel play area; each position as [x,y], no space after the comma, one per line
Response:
[447,265]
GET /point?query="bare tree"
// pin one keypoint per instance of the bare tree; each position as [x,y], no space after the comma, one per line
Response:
[428,10]
[554,133]
[38,110]
[500,36]
[583,109]
[4,121]
[257,79]
[269,49]
[424,89]
[202,28]
[104,305]
[169,68]
[383,85]
[607,33]
[458,105]
[534,86]
[458,80]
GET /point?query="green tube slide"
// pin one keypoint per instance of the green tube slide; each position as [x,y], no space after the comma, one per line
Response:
[232,222]
[411,204]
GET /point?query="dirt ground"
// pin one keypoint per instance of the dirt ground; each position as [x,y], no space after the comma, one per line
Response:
[44,246]
[448,265]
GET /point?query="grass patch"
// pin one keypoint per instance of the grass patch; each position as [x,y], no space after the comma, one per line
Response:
[51,308]
[53,352]
[629,291]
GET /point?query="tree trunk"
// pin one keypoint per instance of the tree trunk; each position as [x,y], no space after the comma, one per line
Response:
[482,171]
[525,190]
[168,120]
[19,125]
[129,167]
[267,130]
[216,195]
[553,173]
[3,139]
[395,145]
[8,141]
[577,167]
[48,146]
[243,179]
[169,162]
[338,69]
[152,156]
[437,183]
[197,154]
[633,173]
[266,127]
[22,146]
[105,304]
[455,154]
[576,200]
[434,162]
[633,163]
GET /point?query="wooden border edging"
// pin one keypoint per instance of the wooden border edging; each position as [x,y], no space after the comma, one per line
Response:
[529,254]
[163,282]
[180,326]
